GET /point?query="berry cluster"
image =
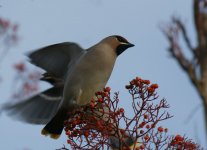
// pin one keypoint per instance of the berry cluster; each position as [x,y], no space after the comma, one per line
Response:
[103,124]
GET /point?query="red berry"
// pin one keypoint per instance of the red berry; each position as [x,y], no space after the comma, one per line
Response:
[105,94]
[153,125]
[100,100]
[121,110]
[141,125]
[145,116]
[179,138]
[150,89]
[148,126]
[107,89]
[122,132]
[146,137]
[69,141]
[154,86]
[68,133]
[146,82]
[160,129]
[86,133]
[98,93]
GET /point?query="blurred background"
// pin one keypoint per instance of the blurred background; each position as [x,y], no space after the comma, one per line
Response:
[41,23]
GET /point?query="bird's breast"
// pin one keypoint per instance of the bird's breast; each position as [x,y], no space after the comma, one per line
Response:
[89,75]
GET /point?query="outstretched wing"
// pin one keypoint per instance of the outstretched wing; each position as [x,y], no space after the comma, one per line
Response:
[38,109]
[56,58]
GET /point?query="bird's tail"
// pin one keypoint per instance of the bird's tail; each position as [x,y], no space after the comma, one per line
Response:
[55,127]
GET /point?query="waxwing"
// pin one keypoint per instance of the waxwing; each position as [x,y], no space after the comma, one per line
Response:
[75,73]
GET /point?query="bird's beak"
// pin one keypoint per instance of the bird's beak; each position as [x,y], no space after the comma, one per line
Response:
[122,47]
[127,45]
[130,45]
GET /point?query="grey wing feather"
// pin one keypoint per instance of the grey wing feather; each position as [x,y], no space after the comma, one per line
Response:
[56,58]
[36,110]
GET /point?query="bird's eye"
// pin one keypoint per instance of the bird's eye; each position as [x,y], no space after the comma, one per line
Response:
[121,39]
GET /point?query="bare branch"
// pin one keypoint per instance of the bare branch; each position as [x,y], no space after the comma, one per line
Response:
[177,53]
[182,28]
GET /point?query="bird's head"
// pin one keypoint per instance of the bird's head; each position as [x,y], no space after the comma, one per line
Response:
[118,43]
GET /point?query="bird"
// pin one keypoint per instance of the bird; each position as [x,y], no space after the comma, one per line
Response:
[75,75]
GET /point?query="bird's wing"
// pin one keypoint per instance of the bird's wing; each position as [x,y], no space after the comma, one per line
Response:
[56,58]
[39,109]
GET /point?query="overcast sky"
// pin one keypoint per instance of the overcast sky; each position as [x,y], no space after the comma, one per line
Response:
[87,22]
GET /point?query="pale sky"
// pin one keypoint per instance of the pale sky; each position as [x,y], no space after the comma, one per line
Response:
[87,22]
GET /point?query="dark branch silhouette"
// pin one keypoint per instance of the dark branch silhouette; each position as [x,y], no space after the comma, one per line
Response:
[196,68]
